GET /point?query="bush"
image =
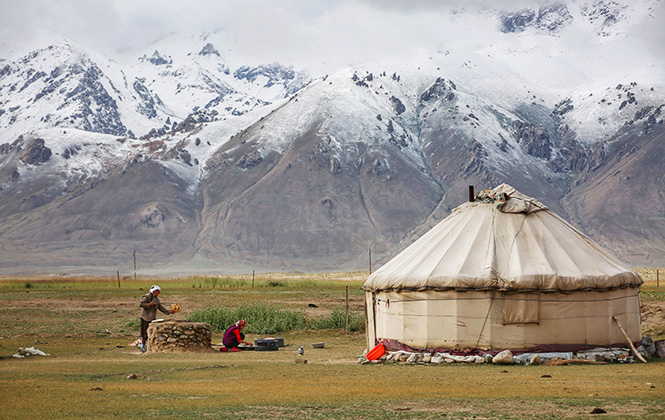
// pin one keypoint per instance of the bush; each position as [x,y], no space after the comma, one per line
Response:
[270,320]
[337,320]
[260,319]
[276,284]
[213,282]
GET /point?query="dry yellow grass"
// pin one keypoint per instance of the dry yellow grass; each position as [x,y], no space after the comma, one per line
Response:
[650,275]
[86,374]
[182,385]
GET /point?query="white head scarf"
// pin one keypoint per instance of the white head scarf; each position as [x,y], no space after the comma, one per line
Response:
[155,288]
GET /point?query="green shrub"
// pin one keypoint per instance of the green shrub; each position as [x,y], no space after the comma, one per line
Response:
[28,285]
[228,282]
[212,282]
[263,319]
[337,320]
[260,319]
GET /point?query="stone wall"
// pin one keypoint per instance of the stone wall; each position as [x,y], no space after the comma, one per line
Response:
[179,336]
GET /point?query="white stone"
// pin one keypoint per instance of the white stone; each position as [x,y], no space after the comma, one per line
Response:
[504,358]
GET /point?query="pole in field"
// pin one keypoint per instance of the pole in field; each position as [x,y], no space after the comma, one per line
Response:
[370,260]
[118,273]
[253,273]
[347,310]
[657,278]
[134,264]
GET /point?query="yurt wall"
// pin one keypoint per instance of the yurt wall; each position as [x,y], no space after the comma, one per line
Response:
[496,320]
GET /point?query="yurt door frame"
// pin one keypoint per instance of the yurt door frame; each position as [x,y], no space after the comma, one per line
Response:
[370,318]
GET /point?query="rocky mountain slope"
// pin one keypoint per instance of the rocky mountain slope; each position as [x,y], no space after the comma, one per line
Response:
[201,167]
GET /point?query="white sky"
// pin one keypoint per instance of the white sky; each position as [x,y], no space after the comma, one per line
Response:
[315,33]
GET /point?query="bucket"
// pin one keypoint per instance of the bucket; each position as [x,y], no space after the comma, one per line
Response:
[376,352]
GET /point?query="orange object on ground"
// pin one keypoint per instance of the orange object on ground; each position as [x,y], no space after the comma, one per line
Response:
[376,352]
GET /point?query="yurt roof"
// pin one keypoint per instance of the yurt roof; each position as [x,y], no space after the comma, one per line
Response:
[506,241]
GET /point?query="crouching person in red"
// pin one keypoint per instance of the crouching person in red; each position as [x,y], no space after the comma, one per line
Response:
[233,336]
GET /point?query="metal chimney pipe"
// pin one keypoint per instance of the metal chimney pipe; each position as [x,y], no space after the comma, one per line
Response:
[472,196]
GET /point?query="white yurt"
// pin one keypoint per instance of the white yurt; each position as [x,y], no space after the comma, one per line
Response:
[502,272]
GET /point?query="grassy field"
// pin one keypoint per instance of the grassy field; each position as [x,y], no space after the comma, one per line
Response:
[86,325]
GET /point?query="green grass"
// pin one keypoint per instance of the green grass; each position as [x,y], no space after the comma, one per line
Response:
[651,294]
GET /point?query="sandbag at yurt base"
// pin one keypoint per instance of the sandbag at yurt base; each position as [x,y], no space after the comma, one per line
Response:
[502,272]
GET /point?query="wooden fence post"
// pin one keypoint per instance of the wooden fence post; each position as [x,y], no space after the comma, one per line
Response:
[347,309]
[118,273]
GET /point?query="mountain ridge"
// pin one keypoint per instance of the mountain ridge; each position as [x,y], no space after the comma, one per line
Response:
[264,167]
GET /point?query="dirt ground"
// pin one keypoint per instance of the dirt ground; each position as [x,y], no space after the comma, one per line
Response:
[653,319]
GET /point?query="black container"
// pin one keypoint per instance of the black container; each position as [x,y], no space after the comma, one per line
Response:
[264,344]
[279,340]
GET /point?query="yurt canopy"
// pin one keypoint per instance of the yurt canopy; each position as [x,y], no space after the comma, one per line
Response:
[503,241]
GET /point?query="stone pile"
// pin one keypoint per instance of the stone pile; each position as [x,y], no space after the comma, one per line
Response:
[595,356]
[179,336]
[426,358]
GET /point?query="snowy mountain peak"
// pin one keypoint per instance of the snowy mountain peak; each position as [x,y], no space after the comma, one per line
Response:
[63,85]
[273,74]
[59,86]
[209,49]
[604,17]
[548,18]
[157,59]
[611,17]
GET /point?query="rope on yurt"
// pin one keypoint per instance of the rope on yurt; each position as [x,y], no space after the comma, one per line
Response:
[485,321]
[542,299]
[493,268]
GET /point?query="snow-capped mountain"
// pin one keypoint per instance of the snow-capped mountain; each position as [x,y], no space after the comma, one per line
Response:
[204,165]
[63,85]
[604,18]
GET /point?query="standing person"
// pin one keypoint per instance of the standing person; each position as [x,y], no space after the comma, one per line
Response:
[233,336]
[149,305]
